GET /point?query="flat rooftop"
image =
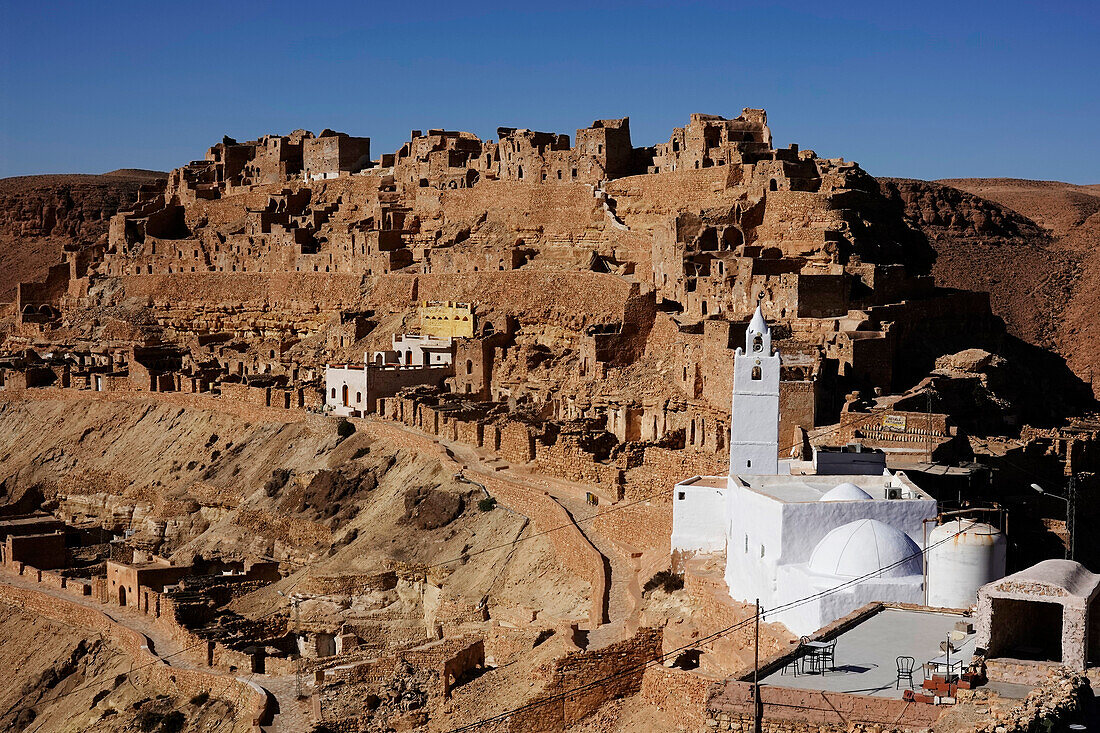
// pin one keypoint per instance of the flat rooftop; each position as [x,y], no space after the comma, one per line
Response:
[866,655]
[805,488]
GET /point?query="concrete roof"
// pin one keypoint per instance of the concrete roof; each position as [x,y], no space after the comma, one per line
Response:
[866,654]
[1048,578]
[806,488]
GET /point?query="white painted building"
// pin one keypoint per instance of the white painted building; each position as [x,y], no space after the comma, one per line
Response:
[346,388]
[754,414]
[787,537]
[353,389]
[412,349]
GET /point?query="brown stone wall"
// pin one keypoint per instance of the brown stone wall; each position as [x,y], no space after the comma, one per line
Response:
[679,693]
[566,459]
[662,469]
[802,711]
[580,683]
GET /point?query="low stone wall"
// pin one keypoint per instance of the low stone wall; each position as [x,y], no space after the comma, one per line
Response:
[185,682]
[349,584]
[1058,701]
[787,710]
[1020,671]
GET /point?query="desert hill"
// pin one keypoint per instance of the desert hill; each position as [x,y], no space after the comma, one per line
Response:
[1030,244]
[39,215]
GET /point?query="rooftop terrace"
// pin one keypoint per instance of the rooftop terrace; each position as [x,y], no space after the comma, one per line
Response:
[866,655]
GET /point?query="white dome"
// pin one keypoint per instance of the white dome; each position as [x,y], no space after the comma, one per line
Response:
[846,491]
[864,546]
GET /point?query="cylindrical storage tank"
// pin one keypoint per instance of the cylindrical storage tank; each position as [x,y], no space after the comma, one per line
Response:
[963,555]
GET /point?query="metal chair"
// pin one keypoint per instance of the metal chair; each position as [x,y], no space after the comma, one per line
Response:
[828,657]
[906,665]
[796,658]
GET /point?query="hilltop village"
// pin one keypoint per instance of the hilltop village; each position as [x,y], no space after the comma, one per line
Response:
[302,407]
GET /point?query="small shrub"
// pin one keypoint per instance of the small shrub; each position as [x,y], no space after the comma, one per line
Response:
[344,428]
[487,504]
[278,480]
[148,720]
[666,580]
[172,722]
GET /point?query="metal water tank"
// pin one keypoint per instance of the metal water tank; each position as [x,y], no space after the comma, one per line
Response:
[963,555]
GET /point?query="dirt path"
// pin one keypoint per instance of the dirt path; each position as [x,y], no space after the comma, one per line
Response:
[290,714]
[624,594]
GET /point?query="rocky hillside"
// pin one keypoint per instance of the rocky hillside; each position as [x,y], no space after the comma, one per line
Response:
[1030,244]
[187,481]
[60,677]
[40,214]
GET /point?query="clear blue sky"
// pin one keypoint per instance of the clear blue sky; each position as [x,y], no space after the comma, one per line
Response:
[919,89]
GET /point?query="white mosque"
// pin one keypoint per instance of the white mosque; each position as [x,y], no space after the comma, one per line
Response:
[788,537]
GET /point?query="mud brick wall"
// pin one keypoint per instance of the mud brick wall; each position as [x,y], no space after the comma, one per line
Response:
[803,711]
[679,693]
[606,674]
[662,469]
[566,459]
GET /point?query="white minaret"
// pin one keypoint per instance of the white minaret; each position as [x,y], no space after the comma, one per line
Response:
[754,418]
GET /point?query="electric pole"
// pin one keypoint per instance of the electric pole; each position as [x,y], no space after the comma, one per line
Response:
[757,707]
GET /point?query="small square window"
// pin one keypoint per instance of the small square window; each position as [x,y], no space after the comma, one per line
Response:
[680,496]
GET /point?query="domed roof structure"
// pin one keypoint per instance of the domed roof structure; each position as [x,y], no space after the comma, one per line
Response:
[864,546]
[758,324]
[846,491]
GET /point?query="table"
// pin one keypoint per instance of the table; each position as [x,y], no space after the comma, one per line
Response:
[944,664]
[816,653]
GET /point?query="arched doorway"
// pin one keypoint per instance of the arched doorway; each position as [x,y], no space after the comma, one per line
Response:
[122,595]
[345,395]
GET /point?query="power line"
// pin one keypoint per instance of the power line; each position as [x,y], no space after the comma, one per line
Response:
[703,641]
[574,523]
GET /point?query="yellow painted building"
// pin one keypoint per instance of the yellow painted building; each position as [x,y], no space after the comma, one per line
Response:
[446,319]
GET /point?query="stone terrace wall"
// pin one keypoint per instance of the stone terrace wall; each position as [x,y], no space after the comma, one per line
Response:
[614,672]
[556,212]
[186,682]
[662,469]
[582,299]
[299,291]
